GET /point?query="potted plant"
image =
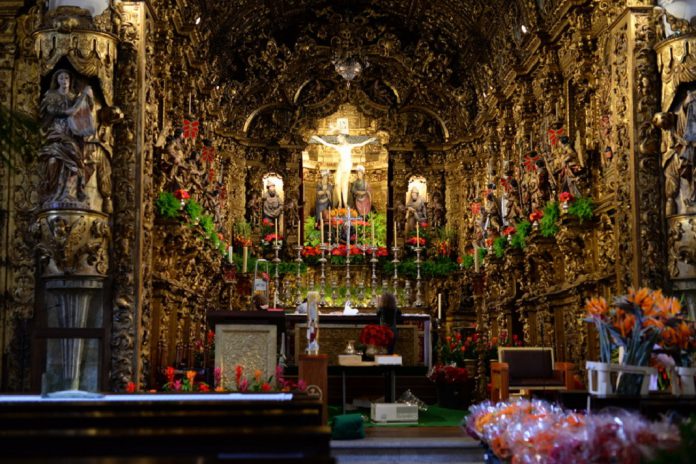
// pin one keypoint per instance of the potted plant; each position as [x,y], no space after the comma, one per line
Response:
[377,338]
[450,382]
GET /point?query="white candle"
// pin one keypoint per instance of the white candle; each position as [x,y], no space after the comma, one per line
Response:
[417,234]
[276,231]
[439,305]
[321,227]
[373,230]
[245,259]
[298,234]
[394,233]
[229,254]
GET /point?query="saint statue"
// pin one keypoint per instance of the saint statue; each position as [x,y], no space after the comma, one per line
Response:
[254,209]
[272,206]
[362,198]
[415,211]
[66,121]
[323,201]
[493,217]
[436,212]
[567,168]
[688,154]
[345,164]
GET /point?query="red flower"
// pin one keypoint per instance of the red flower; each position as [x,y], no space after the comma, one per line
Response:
[536,215]
[211,337]
[182,194]
[565,197]
[424,225]
[267,222]
[265,276]
[191,129]
[130,387]
[459,260]
[354,250]
[475,208]
[378,335]
[169,372]
[382,251]
[489,242]
[509,230]
[340,250]
[266,387]
[416,241]
[203,387]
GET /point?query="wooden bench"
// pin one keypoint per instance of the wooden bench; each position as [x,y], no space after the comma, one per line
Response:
[528,368]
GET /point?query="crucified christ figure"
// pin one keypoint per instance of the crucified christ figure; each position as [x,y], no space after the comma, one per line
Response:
[345,164]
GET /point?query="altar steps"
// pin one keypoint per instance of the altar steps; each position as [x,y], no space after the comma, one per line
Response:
[391,445]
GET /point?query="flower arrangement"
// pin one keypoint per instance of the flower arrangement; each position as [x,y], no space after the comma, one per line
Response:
[187,383]
[455,349]
[343,212]
[536,431]
[416,241]
[377,335]
[448,375]
[257,383]
[536,216]
[565,197]
[182,194]
[269,239]
[509,230]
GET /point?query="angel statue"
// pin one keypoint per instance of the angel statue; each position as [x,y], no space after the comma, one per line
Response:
[66,121]
[345,164]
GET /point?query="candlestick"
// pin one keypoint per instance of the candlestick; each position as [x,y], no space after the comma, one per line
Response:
[276,231]
[245,259]
[298,279]
[372,220]
[321,226]
[230,255]
[439,305]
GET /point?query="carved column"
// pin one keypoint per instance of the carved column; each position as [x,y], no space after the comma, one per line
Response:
[677,61]
[72,228]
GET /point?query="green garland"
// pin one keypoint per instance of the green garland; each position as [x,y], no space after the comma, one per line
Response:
[519,238]
[548,224]
[582,208]
[499,246]
[468,261]
[168,205]
[482,252]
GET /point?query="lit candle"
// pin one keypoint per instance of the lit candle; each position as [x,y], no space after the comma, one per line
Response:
[439,305]
[276,231]
[321,227]
[245,259]
[229,254]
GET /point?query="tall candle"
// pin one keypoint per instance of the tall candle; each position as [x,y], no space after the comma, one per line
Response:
[476,259]
[373,230]
[276,231]
[394,233]
[245,259]
[417,234]
[275,299]
[229,254]
[298,234]
[321,227]
[439,305]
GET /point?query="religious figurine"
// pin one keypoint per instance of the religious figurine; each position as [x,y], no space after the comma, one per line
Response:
[436,211]
[567,167]
[362,198]
[493,219]
[175,154]
[292,214]
[312,322]
[66,121]
[254,209]
[400,215]
[688,154]
[345,164]
[272,206]
[323,202]
[415,211]
[510,205]
[672,146]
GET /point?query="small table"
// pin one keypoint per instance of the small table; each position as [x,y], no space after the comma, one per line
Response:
[389,371]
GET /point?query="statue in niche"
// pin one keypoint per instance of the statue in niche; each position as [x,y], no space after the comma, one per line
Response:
[66,121]
[345,164]
[537,189]
[492,216]
[254,209]
[272,206]
[436,211]
[292,213]
[672,146]
[688,154]
[511,206]
[362,198]
[568,166]
[323,200]
[415,211]
[400,215]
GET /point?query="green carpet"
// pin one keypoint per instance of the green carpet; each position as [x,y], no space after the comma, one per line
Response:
[435,416]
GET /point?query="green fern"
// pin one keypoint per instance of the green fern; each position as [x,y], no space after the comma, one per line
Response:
[582,208]
[482,252]
[499,245]
[519,238]
[548,224]
[468,261]
[193,210]
[168,205]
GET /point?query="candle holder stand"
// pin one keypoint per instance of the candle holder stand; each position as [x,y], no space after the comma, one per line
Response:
[276,277]
[419,297]
[298,281]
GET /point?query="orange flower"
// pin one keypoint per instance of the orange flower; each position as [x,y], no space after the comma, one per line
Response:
[666,306]
[641,298]
[624,322]
[686,333]
[190,375]
[257,375]
[670,336]
[652,322]
[597,307]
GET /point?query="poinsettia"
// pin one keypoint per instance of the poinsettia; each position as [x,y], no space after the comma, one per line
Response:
[536,215]
[509,230]
[182,194]
[565,197]
[416,241]
[377,335]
